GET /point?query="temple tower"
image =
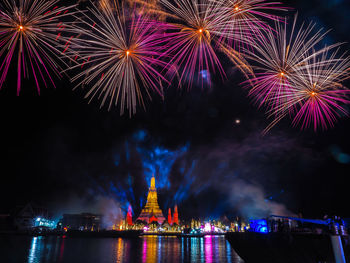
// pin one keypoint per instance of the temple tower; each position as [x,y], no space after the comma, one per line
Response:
[129,216]
[151,212]
[170,221]
[176,216]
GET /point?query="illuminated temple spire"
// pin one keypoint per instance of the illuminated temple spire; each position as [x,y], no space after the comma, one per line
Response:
[176,216]
[151,211]
[170,221]
[129,216]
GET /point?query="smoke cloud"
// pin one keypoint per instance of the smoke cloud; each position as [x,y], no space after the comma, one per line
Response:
[109,208]
[246,177]
[251,202]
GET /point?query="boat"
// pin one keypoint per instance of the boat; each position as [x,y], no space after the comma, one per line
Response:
[262,244]
[284,247]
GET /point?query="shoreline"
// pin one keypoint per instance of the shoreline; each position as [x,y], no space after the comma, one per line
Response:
[108,234]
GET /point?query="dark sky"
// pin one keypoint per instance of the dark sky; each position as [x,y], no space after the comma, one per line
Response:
[61,152]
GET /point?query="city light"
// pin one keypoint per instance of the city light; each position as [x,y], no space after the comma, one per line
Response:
[207,227]
[259,226]
[42,222]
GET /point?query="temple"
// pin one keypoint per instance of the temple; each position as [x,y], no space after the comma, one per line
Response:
[151,212]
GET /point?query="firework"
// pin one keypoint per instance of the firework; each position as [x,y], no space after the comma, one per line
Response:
[191,36]
[316,96]
[245,18]
[277,59]
[119,56]
[29,30]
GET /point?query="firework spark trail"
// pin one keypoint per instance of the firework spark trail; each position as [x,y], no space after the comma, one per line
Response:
[239,60]
[246,18]
[316,97]
[151,7]
[118,56]
[32,28]
[190,40]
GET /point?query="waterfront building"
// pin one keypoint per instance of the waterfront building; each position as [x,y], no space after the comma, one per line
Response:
[151,212]
[26,217]
[123,225]
[196,224]
[83,222]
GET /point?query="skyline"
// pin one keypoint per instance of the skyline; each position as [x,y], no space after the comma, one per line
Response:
[57,148]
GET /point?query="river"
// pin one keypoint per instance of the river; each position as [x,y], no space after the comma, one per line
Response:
[150,249]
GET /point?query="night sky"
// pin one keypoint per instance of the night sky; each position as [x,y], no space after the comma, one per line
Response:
[70,156]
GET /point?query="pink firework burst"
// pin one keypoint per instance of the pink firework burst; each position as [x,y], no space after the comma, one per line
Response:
[29,30]
[316,96]
[277,59]
[291,78]
[193,27]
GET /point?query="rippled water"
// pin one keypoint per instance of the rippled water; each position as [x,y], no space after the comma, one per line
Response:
[98,250]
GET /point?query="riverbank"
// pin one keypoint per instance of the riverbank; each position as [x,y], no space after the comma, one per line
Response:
[106,233]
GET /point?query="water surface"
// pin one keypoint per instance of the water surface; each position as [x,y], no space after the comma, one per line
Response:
[150,249]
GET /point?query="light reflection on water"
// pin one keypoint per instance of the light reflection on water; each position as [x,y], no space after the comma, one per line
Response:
[147,249]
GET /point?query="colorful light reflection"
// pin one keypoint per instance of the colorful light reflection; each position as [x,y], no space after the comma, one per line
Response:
[208,246]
